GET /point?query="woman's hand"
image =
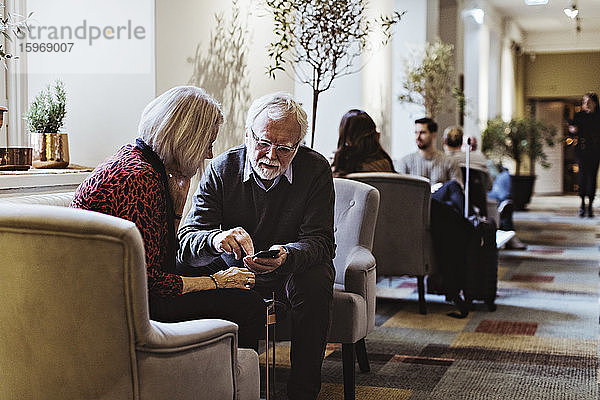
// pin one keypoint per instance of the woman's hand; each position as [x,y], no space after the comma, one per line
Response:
[235,278]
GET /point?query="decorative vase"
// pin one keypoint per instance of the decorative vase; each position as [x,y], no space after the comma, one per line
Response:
[521,189]
[50,150]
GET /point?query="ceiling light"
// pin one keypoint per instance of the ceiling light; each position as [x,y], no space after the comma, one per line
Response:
[477,13]
[536,2]
[571,12]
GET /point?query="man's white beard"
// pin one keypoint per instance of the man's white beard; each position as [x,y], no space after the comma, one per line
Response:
[265,173]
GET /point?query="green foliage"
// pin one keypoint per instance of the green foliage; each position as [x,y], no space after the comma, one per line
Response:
[11,25]
[47,111]
[429,78]
[516,139]
[321,38]
[222,70]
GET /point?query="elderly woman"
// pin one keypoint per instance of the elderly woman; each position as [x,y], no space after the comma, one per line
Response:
[147,183]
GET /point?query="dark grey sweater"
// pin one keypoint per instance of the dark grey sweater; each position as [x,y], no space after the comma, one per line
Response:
[297,215]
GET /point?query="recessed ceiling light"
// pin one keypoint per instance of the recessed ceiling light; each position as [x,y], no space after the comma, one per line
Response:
[536,2]
[571,12]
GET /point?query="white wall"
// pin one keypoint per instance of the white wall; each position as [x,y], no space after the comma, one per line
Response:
[108,80]
[345,94]
[552,42]
[184,24]
[411,34]
[488,66]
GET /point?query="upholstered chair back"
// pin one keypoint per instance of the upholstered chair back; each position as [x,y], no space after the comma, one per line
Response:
[67,319]
[356,206]
[74,320]
[402,243]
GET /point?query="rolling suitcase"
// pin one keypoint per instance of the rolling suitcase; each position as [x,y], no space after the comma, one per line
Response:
[481,266]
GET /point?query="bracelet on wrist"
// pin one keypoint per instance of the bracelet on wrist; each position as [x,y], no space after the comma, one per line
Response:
[215,281]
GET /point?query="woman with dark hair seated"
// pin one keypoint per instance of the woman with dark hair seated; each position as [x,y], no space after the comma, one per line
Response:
[147,184]
[358,148]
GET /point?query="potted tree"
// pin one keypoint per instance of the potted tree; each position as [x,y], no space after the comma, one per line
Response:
[429,79]
[519,139]
[45,117]
[321,40]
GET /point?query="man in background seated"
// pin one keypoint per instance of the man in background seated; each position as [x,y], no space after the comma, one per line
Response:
[442,171]
[272,193]
[498,187]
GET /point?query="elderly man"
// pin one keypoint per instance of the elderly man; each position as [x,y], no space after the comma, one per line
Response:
[272,193]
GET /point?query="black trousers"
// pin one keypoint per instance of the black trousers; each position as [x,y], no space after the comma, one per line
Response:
[244,307]
[309,295]
[588,172]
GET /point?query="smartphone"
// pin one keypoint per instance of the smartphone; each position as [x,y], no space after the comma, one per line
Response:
[266,254]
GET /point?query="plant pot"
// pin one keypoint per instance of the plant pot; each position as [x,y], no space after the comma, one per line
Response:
[50,150]
[15,158]
[521,189]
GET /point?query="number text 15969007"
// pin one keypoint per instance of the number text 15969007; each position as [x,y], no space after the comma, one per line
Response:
[35,47]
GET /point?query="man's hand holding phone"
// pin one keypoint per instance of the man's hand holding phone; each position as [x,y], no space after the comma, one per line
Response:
[267,260]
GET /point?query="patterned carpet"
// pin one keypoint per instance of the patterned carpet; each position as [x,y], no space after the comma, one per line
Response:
[541,343]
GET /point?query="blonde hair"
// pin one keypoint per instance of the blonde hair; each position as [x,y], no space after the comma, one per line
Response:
[279,105]
[179,124]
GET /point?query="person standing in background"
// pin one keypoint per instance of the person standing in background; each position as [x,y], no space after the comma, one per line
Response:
[586,127]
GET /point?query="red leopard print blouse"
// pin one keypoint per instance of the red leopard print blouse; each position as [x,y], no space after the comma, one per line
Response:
[126,186]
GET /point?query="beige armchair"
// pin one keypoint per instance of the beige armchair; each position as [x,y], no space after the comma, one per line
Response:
[403,244]
[74,318]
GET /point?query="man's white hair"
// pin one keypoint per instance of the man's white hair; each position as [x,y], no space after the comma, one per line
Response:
[279,105]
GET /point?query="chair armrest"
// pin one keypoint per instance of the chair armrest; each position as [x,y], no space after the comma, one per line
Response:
[360,278]
[179,336]
[360,264]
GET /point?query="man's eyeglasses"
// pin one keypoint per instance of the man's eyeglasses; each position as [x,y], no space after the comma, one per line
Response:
[265,145]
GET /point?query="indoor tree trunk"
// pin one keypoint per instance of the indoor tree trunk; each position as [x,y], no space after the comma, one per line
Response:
[314,117]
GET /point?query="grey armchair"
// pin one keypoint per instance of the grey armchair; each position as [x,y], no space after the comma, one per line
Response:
[353,316]
[74,318]
[403,244]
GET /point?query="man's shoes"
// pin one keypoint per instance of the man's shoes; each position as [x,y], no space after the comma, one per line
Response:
[515,244]
[505,209]
[581,212]
[590,211]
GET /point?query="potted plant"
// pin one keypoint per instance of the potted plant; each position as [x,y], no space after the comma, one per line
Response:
[45,117]
[518,139]
[429,79]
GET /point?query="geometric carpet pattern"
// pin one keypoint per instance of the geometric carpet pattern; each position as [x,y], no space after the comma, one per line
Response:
[540,343]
